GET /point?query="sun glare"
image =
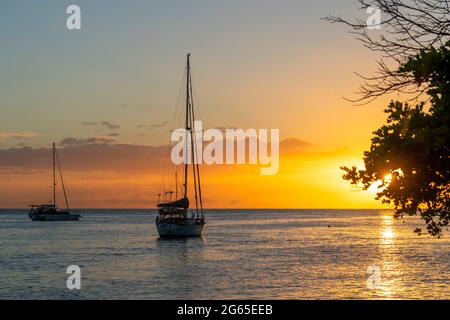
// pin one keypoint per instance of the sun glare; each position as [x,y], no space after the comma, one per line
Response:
[387,179]
[377,185]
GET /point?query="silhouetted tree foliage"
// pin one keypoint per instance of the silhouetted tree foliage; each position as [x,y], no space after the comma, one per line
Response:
[413,147]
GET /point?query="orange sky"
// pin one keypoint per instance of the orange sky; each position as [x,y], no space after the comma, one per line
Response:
[107,95]
[122,176]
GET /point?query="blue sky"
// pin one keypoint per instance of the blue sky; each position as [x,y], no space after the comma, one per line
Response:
[255,63]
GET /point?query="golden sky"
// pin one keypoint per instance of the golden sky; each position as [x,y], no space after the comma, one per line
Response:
[107,95]
[128,176]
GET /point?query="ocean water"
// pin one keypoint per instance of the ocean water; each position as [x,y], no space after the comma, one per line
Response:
[244,254]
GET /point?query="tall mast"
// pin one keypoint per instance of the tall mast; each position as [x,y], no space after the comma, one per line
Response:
[62,180]
[54,177]
[188,76]
[195,164]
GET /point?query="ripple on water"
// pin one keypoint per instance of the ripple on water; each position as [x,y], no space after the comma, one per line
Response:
[253,254]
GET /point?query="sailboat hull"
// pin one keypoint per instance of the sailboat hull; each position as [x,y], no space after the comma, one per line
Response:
[51,213]
[44,217]
[55,217]
[184,228]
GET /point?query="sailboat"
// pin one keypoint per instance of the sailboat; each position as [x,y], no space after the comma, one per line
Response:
[50,212]
[175,219]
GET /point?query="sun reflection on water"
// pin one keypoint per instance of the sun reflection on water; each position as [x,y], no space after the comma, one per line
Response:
[387,233]
[391,266]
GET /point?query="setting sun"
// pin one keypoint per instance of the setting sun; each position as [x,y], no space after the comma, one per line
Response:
[387,179]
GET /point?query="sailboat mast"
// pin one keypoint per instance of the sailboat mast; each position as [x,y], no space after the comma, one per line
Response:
[62,180]
[54,177]
[176,186]
[188,76]
[195,164]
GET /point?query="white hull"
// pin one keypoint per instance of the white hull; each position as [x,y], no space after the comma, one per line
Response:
[167,229]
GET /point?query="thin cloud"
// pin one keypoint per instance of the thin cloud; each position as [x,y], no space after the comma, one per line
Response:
[295,145]
[72,142]
[22,145]
[18,135]
[154,125]
[106,154]
[92,154]
[110,125]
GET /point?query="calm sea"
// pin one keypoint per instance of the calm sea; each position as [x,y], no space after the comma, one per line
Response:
[245,254]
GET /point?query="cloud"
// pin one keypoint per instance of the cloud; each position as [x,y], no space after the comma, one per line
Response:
[294,145]
[110,125]
[70,142]
[92,154]
[106,124]
[22,144]
[154,125]
[18,135]
[106,153]
[103,172]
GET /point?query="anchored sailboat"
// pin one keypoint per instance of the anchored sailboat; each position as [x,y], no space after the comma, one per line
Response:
[174,220]
[50,212]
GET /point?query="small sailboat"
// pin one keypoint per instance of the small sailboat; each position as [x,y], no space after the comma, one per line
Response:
[50,212]
[175,218]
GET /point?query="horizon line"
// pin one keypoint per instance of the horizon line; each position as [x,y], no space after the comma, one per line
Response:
[105,208]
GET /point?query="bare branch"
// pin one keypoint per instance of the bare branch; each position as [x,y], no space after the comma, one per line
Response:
[407,27]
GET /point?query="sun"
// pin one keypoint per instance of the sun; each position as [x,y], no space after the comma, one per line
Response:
[387,179]
[378,186]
